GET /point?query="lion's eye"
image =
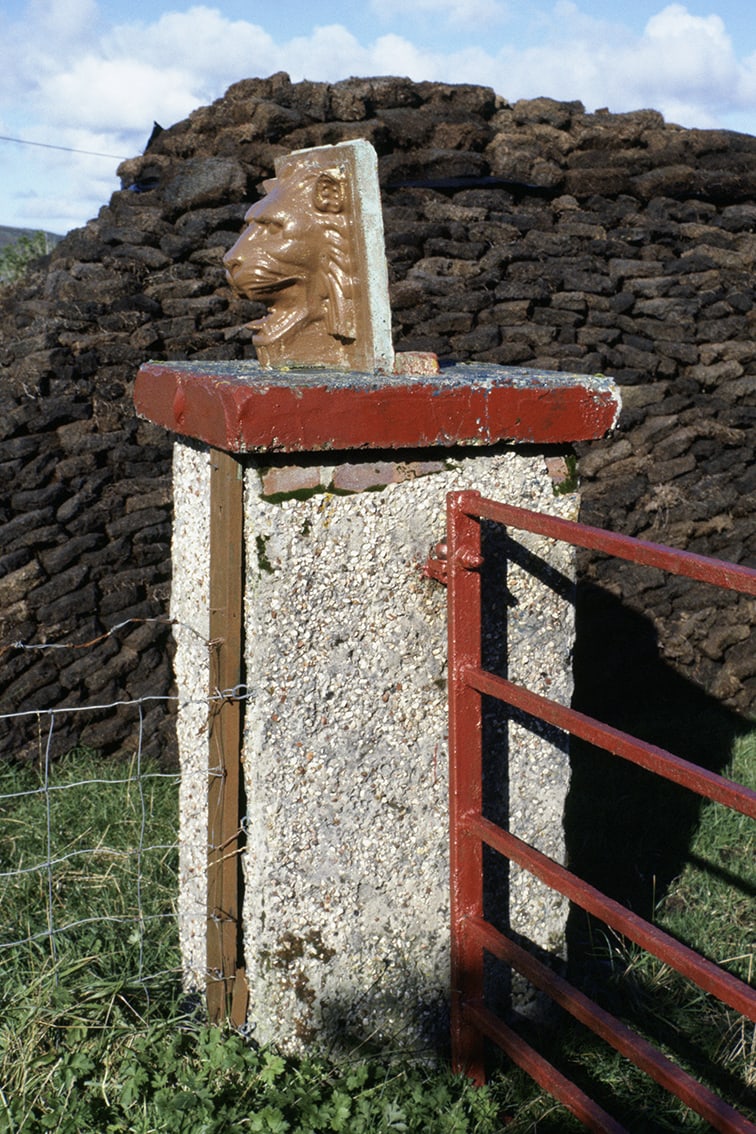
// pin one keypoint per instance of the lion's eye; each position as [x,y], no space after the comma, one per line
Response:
[271,224]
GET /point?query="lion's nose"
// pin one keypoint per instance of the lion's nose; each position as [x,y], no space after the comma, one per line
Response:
[232,262]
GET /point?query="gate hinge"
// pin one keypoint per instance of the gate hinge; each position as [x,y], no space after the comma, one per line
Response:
[435,566]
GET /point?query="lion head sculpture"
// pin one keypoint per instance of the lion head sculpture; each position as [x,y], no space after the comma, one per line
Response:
[302,255]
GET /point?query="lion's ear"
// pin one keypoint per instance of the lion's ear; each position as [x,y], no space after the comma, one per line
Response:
[329,193]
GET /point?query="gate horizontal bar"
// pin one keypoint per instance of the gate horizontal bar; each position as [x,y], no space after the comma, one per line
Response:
[650,756]
[469,682]
[707,975]
[701,567]
[719,1114]
[593,1116]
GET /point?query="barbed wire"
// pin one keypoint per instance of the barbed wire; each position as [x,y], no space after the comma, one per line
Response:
[234,693]
[160,621]
[57,710]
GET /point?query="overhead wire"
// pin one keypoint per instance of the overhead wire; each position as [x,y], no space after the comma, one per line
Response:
[66,149]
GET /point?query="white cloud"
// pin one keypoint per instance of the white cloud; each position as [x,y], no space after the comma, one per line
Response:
[142,71]
[119,94]
[62,22]
[746,96]
[394,55]
[200,40]
[55,190]
[473,14]
[59,196]
[69,80]
[676,23]
[324,54]
[44,40]
[681,64]
[688,56]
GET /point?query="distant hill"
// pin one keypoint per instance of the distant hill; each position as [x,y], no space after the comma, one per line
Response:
[11,235]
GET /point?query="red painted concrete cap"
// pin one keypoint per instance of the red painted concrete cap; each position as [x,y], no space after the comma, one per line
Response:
[242,408]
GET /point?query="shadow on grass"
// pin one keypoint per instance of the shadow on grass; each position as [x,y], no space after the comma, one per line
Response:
[631,833]
[628,831]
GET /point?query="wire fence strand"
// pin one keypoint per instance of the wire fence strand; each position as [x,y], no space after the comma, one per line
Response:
[89,849]
[89,846]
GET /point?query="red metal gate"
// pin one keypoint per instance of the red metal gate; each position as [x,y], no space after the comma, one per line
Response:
[471,935]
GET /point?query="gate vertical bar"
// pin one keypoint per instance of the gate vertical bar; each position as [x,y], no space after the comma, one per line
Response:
[465,779]
[226,985]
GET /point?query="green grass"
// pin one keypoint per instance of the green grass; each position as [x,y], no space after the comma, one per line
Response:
[94,1032]
[94,1035]
[90,826]
[73,998]
[709,906]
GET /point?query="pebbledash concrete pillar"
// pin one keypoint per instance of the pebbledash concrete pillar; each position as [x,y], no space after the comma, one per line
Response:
[346,454]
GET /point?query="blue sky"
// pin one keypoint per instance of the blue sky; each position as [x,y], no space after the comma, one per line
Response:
[93,75]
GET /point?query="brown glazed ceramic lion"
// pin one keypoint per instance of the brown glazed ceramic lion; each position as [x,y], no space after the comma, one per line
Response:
[304,253]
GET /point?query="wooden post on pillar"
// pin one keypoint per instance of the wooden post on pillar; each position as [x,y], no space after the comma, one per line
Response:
[226,983]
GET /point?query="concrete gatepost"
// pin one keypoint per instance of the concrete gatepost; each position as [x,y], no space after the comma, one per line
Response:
[345,915]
